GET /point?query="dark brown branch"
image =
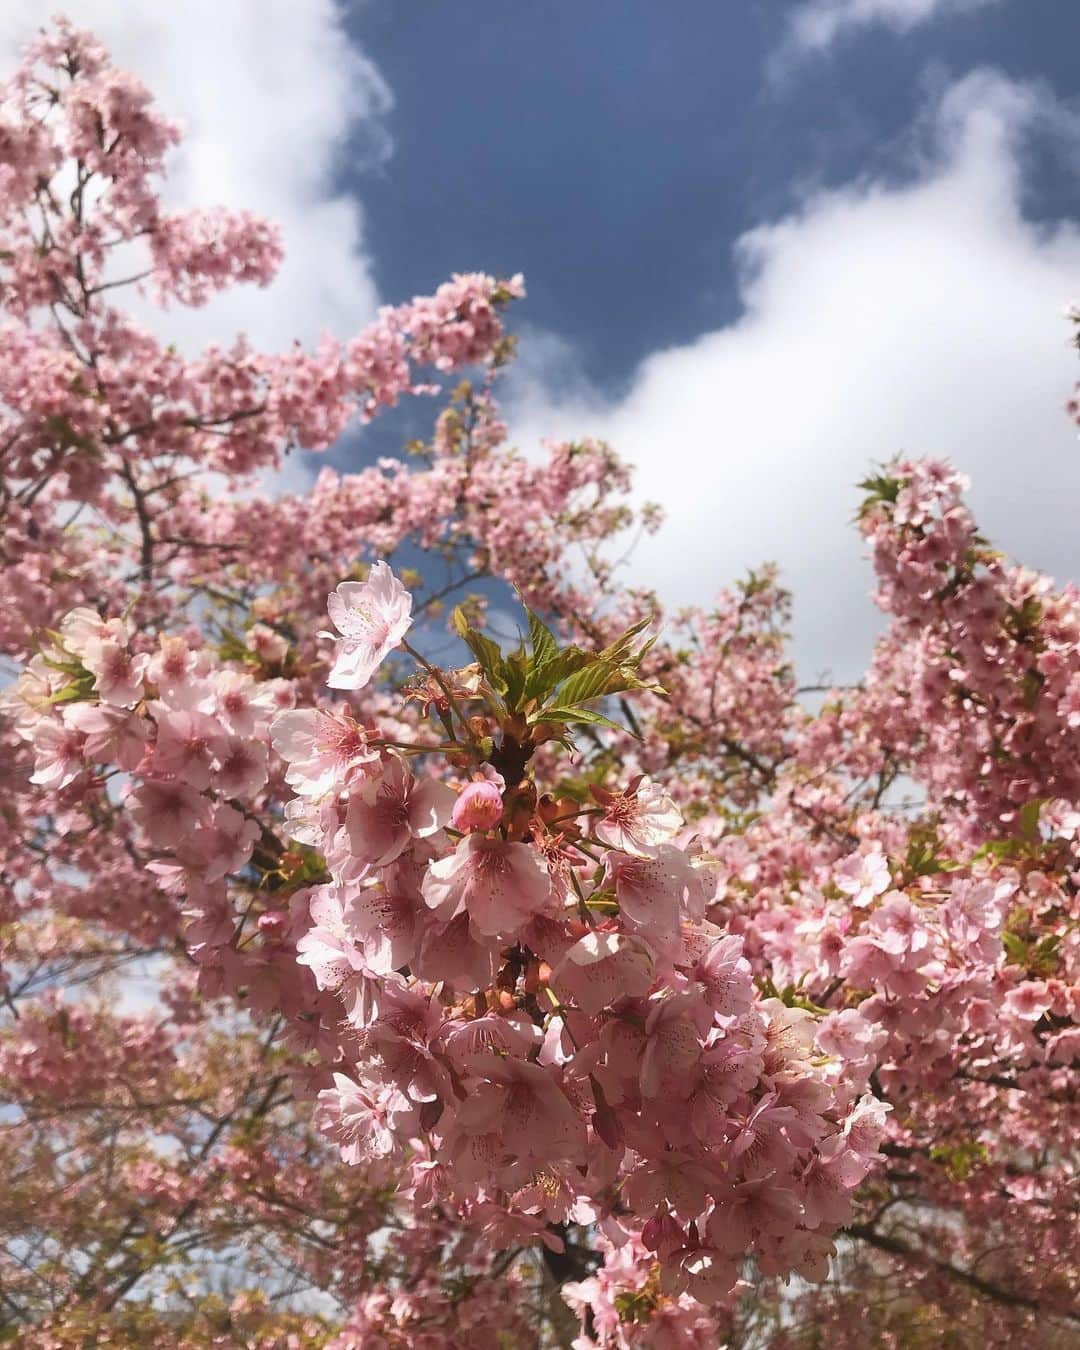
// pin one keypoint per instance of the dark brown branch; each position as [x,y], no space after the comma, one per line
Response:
[884,1242]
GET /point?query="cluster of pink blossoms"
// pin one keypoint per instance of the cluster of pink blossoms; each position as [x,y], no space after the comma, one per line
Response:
[979,680]
[538,1011]
[181,740]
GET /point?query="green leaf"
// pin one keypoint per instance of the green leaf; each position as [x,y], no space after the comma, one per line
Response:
[573,716]
[514,671]
[544,653]
[232,648]
[487,653]
[542,642]
[1016,949]
[881,487]
[78,691]
[547,675]
[591,681]
[1029,819]
[961,1159]
[633,1305]
[1031,686]
[1044,955]
[623,647]
[922,859]
[72,666]
[599,679]
[1024,619]
[999,848]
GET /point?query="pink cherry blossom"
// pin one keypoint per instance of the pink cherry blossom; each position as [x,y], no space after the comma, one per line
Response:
[387,812]
[383,917]
[324,749]
[498,885]
[521,1110]
[59,755]
[676,1025]
[118,675]
[653,892]
[674,1037]
[638,820]
[1029,1000]
[168,811]
[725,974]
[221,845]
[187,746]
[863,876]
[112,734]
[372,617]
[601,968]
[328,946]
[354,1121]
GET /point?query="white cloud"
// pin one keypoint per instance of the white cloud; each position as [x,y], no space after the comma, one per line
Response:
[268,91]
[815,25]
[924,317]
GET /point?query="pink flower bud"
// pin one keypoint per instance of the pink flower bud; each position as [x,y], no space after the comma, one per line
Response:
[274,924]
[479,807]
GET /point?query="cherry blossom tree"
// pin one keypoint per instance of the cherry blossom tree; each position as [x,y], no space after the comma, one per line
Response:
[593,985]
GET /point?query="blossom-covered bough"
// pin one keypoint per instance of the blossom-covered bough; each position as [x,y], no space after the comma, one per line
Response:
[582,988]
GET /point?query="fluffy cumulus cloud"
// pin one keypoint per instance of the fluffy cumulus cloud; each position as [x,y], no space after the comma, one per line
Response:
[923,316]
[268,92]
[815,25]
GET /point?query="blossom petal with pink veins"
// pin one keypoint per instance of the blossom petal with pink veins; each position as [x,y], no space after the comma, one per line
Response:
[865,1126]
[241,769]
[726,977]
[351,1118]
[111,733]
[752,1208]
[325,751]
[863,876]
[848,1035]
[168,811]
[187,744]
[523,1103]
[487,1035]
[600,968]
[386,923]
[388,812]
[826,1191]
[118,674]
[674,1032]
[222,845]
[452,953]
[1029,1000]
[499,885]
[430,806]
[59,754]
[705,1275]
[673,1182]
[329,947]
[652,891]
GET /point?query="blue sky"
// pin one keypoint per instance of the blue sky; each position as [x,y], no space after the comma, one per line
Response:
[766,241]
[615,150]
